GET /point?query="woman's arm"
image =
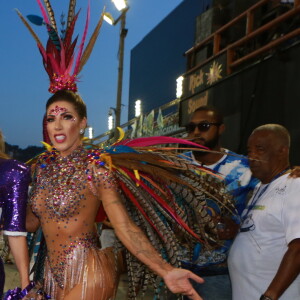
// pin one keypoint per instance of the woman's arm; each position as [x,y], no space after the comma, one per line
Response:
[19,250]
[32,221]
[177,280]
[14,211]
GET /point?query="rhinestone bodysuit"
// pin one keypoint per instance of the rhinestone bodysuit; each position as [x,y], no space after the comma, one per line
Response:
[65,199]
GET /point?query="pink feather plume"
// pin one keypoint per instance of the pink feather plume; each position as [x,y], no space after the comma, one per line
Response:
[158,140]
[77,64]
[44,12]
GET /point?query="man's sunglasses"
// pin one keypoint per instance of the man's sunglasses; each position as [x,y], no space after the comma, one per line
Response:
[202,126]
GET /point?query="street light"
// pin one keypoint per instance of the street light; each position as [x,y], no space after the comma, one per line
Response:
[121,5]
[108,18]
[179,86]
[89,132]
[138,108]
[110,119]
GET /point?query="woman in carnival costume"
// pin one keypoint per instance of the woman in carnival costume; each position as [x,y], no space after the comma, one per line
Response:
[14,181]
[135,183]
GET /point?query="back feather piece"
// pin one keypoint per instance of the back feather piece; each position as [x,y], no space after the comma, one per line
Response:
[168,200]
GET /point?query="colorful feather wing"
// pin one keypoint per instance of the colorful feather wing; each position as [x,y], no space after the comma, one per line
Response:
[166,196]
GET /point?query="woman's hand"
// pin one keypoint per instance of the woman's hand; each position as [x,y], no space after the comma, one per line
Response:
[227,228]
[295,172]
[178,282]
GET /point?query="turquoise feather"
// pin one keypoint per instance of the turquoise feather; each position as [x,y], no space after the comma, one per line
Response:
[36,20]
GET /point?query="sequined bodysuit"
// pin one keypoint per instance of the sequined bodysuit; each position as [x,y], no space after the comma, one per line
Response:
[65,198]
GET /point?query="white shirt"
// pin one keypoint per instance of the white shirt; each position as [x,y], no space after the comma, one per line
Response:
[256,254]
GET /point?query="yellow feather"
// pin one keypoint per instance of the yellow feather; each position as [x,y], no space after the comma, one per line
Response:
[107,159]
[47,146]
[137,176]
[122,134]
[122,172]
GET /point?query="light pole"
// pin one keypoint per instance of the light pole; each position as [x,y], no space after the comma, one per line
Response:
[121,5]
[123,33]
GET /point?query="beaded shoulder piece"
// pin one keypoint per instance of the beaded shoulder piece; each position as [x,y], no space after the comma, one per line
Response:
[93,156]
[166,196]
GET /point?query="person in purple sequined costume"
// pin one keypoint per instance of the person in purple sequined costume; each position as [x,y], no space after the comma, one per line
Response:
[14,181]
[67,192]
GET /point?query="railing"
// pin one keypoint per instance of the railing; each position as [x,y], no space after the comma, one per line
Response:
[231,49]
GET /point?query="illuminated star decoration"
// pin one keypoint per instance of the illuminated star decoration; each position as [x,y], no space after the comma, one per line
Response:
[214,73]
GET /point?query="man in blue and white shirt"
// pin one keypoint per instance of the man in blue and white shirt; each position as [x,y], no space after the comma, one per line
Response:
[205,128]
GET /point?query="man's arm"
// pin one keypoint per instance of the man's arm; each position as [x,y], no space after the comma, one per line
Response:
[288,270]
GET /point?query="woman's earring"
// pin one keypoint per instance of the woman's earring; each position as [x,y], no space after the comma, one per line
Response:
[81,131]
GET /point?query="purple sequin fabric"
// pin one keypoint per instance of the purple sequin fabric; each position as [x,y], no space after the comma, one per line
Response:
[14,181]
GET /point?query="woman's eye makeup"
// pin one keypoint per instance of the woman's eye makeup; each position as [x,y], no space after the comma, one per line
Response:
[68,117]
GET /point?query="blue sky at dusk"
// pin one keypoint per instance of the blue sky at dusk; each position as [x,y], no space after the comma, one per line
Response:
[24,82]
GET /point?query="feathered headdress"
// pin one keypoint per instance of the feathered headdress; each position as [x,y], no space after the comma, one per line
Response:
[62,60]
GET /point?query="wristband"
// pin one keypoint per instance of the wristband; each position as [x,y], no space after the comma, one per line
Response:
[264,297]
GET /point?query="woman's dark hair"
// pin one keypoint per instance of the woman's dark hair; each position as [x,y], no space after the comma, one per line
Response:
[71,97]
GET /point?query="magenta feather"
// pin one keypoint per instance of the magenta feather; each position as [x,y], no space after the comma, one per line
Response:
[70,31]
[54,64]
[43,51]
[44,12]
[137,204]
[70,52]
[69,66]
[62,57]
[51,49]
[77,64]
[163,204]
[157,140]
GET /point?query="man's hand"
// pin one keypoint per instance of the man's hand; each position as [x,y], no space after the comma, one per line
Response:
[178,282]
